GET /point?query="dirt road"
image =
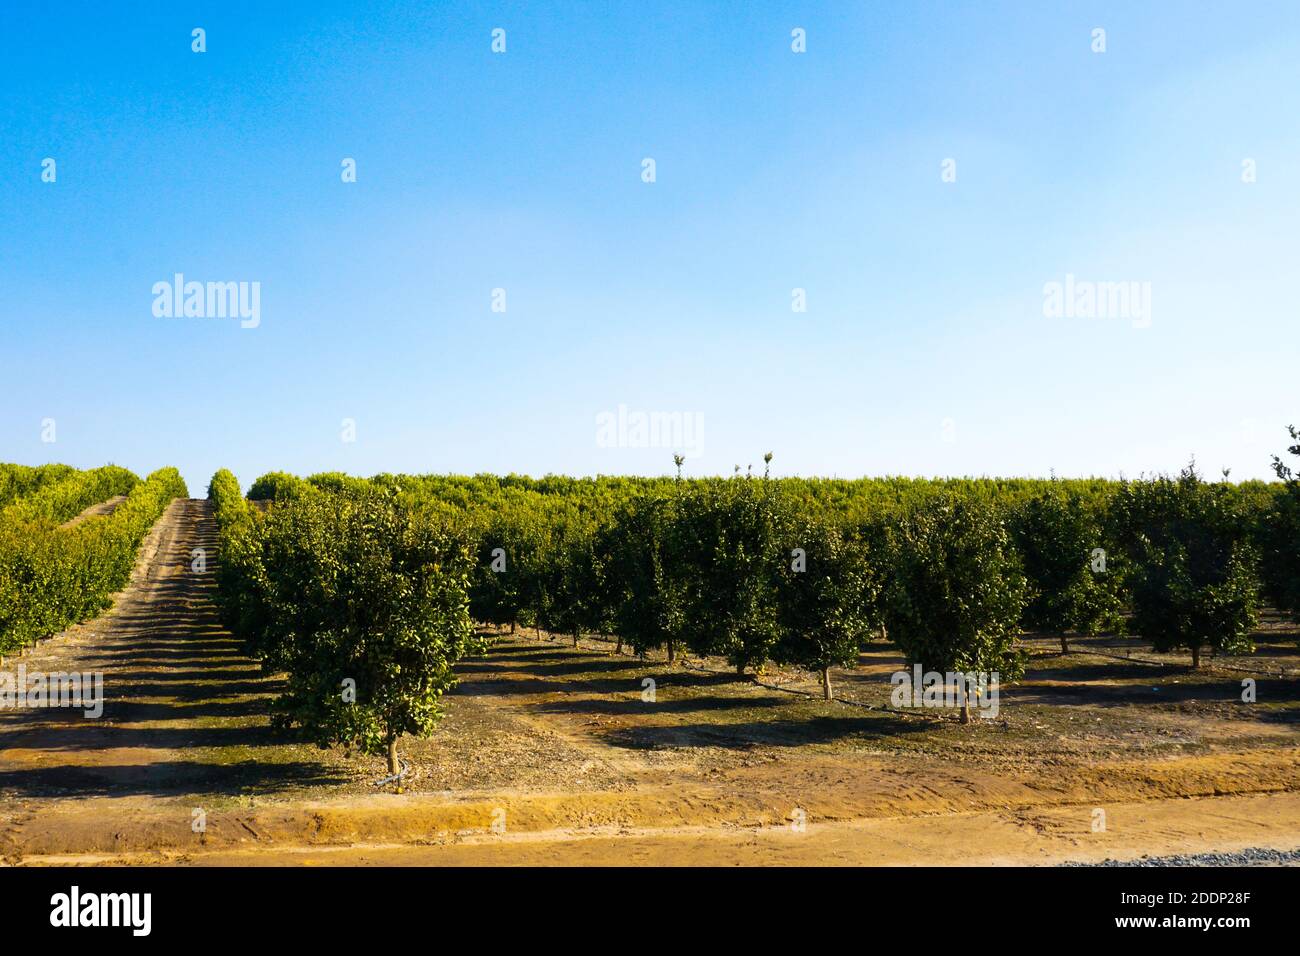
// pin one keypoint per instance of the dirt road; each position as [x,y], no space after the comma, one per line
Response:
[100,510]
[168,668]
[550,753]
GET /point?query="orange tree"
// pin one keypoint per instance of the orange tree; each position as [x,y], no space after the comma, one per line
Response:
[1282,535]
[1056,532]
[827,601]
[729,540]
[955,590]
[1193,571]
[638,580]
[361,599]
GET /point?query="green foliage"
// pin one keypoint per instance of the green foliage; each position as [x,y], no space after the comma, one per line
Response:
[1194,581]
[1056,532]
[951,566]
[506,581]
[640,584]
[228,505]
[1280,536]
[956,591]
[19,481]
[568,573]
[729,542]
[59,501]
[239,556]
[828,601]
[52,577]
[360,598]
[333,481]
[277,486]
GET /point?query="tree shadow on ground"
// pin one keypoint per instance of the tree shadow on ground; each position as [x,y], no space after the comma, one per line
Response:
[543,668]
[1209,692]
[634,706]
[173,778]
[1119,670]
[774,733]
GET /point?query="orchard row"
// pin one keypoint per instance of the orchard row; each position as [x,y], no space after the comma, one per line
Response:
[55,573]
[364,591]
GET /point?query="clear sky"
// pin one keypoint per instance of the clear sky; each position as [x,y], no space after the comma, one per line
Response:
[924,350]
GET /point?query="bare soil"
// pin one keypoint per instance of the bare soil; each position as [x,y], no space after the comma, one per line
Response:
[549,753]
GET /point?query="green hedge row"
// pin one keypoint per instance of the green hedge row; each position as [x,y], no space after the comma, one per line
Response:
[63,500]
[51,578]
[19,481]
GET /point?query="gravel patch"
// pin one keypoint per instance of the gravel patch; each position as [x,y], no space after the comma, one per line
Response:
[1254,856]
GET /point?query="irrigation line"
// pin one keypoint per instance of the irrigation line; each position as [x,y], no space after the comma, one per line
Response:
[406,768]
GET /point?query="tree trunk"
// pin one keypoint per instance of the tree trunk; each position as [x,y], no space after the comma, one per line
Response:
[1196,656]
[619,649]
[740,669]
[393,765]
[965,701]
[1065,644]
[826,684]
[671,651]
[575,637]
[512,627]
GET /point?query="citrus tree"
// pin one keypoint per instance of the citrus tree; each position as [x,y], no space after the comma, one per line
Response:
[1282,535]
[1193,571]
[1074,581]
[568,571]
[639,579]
[728,542]
[362,601]
[955,590]
[496,593]
[827,601]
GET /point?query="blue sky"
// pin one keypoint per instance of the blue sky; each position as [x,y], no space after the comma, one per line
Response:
[775,170]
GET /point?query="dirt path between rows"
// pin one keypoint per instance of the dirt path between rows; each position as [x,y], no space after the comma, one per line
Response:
[101,510]
[165,663]
[549,753]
